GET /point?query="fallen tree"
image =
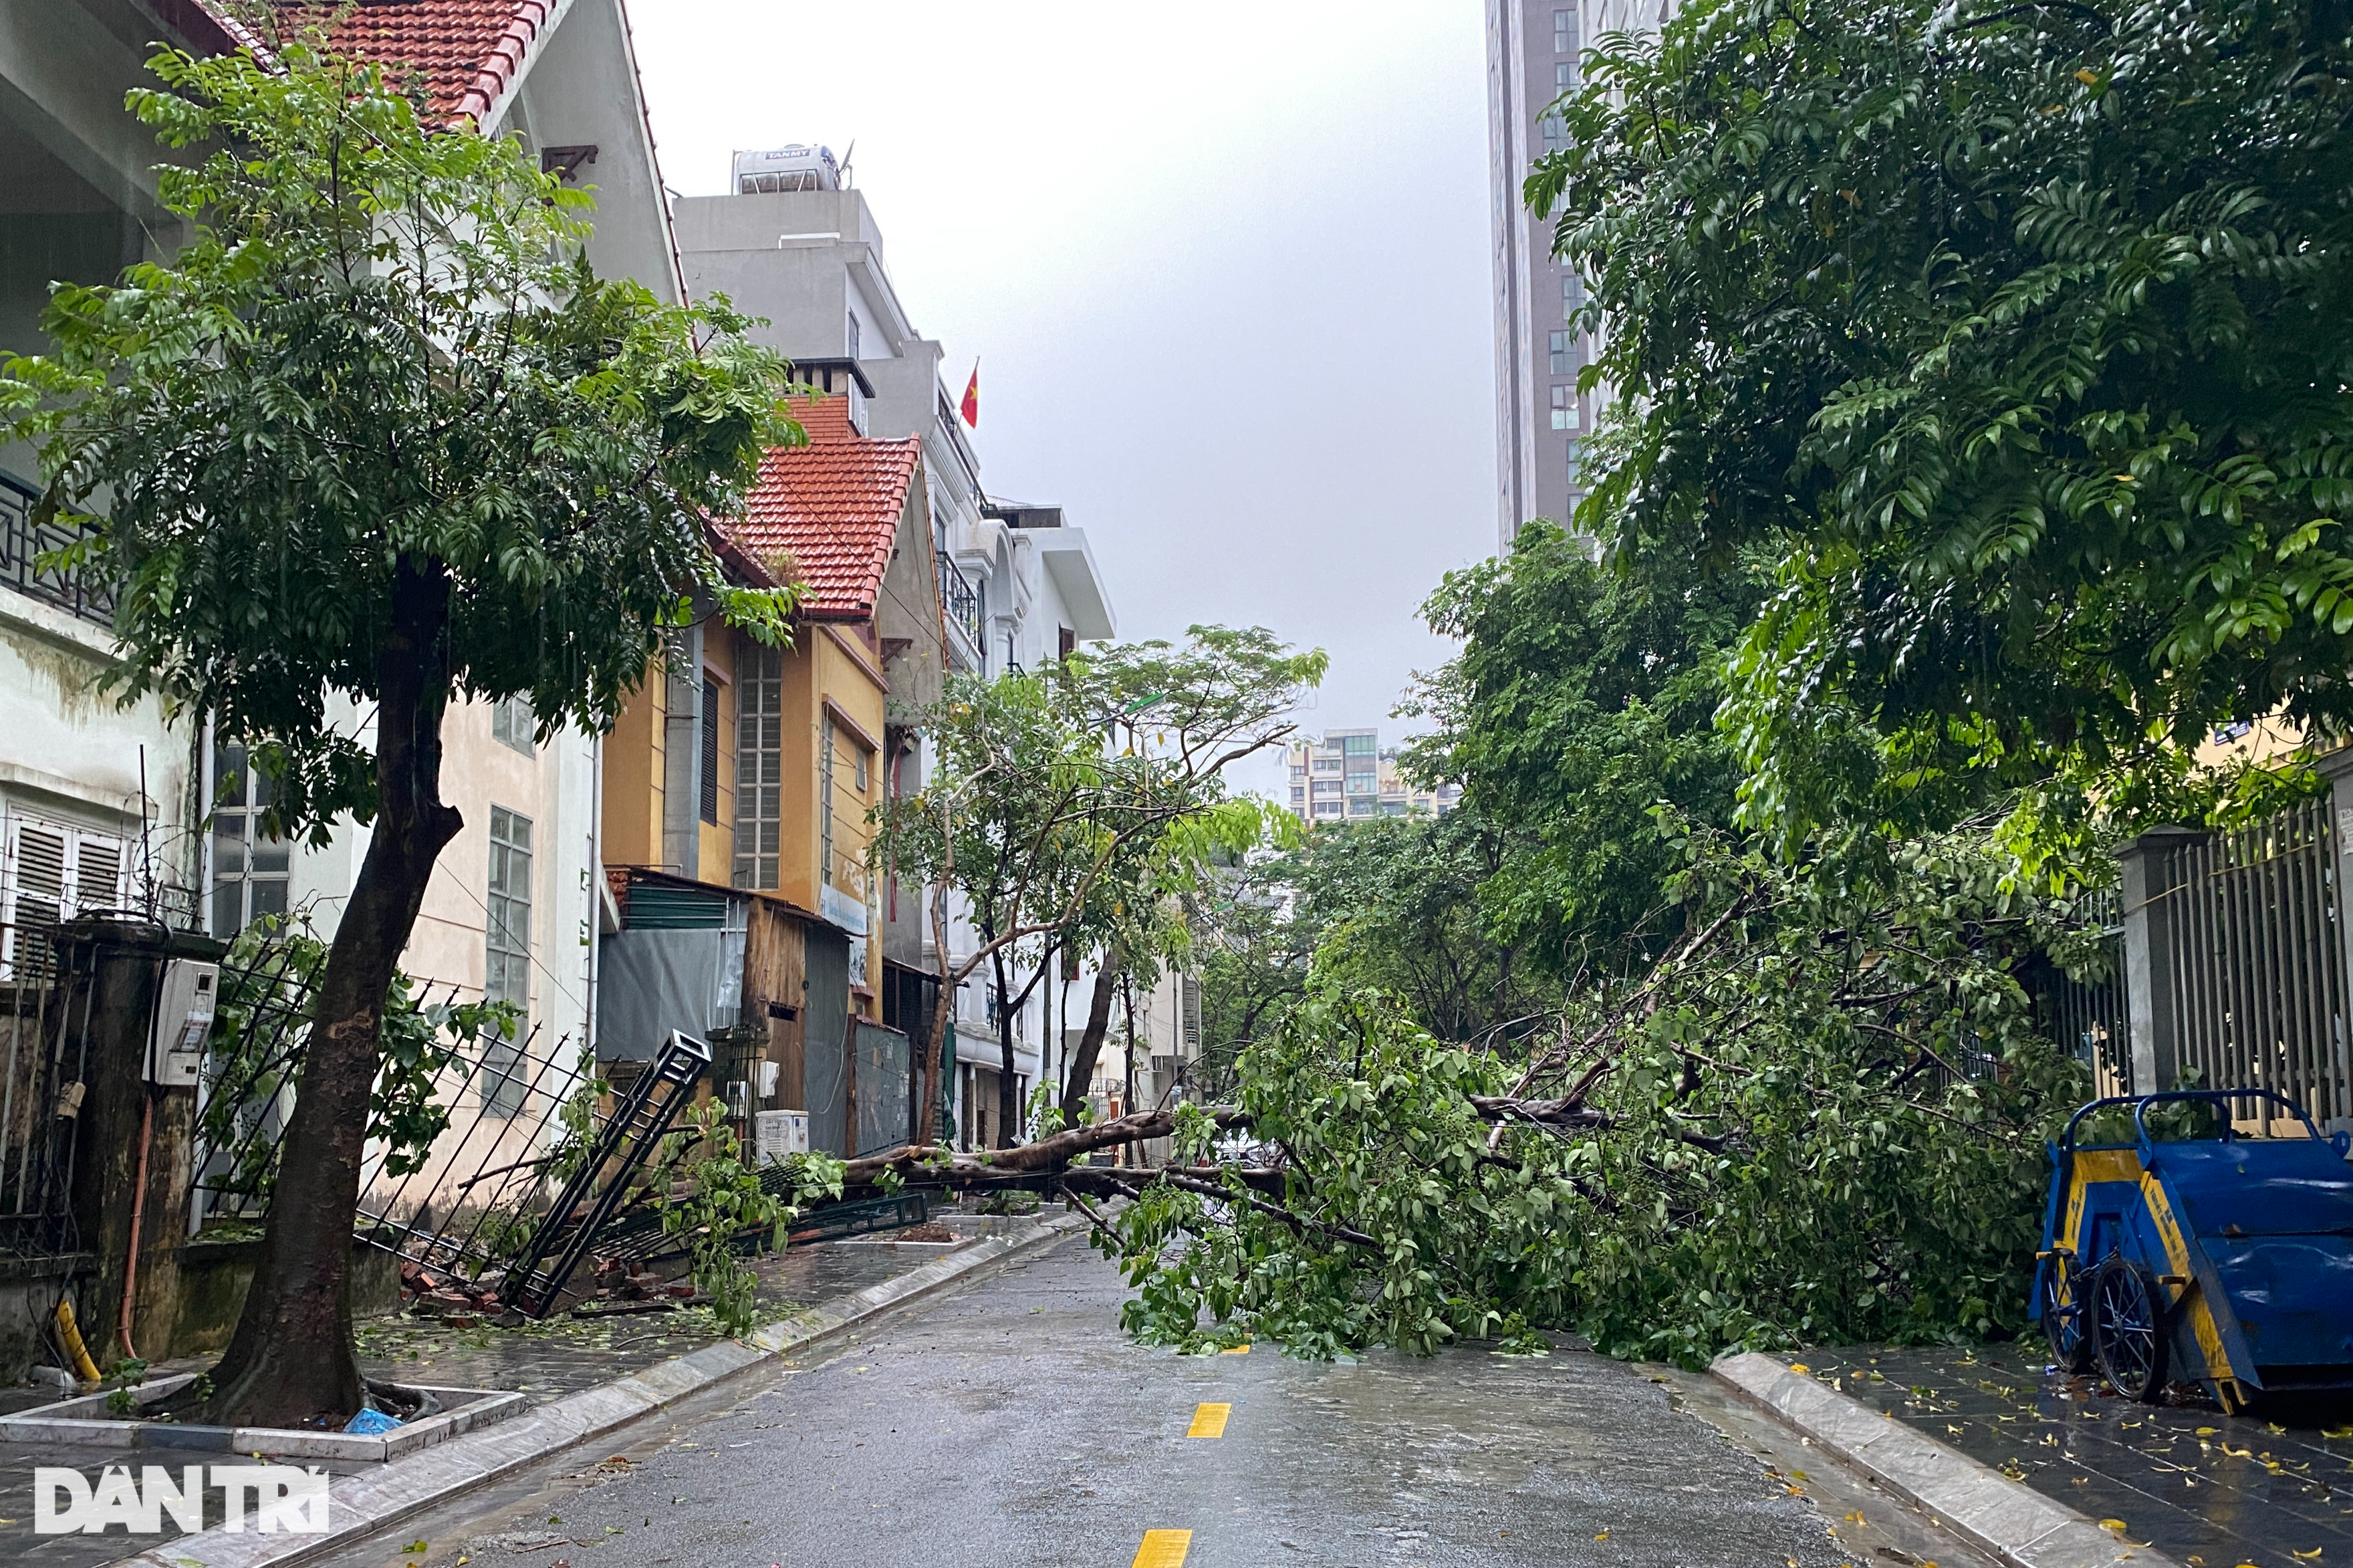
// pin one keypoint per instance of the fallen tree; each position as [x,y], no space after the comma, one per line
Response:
[1819,1116]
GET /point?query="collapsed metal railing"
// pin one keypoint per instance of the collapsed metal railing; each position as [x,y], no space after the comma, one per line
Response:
[560,1243]
[525,1113]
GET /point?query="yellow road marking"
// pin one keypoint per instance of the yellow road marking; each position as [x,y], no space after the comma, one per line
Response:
[1163,1548]
[1235,1349]
[1210,1421]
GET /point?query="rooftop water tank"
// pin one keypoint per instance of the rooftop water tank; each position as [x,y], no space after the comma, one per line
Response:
[793,168]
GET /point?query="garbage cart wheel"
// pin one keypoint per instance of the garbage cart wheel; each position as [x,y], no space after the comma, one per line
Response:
[2128,1331]
[2063,1316]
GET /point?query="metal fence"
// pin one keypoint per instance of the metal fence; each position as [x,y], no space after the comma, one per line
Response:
[43,1044]
[467,1205]
[2085,1014]
[2258,985]
[23,541]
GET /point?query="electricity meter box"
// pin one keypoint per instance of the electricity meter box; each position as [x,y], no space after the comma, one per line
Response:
[777,1133]
[183,1017]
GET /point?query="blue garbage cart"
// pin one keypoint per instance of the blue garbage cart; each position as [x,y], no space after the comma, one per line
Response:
[2178,1249]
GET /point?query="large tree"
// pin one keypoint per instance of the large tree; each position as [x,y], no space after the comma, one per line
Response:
[1584,696]
[377,440]
[2018,335]
[1059,798]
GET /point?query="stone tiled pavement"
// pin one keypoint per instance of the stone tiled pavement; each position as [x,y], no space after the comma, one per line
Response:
[2207,1490]
[543,1360]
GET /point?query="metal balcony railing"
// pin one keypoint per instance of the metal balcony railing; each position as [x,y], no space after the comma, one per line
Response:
[21,542]
[960,600]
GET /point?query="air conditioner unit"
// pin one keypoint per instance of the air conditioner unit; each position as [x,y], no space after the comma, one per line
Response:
[776,1134]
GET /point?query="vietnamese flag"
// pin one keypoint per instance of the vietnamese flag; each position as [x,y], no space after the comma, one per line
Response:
[971,409]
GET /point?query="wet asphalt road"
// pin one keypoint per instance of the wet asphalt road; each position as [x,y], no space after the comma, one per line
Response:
[1012,1422]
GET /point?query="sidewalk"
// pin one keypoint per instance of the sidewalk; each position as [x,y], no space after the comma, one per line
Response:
[585,1379]
[2206,1489]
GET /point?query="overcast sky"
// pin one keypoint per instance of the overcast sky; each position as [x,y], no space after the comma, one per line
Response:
[1224,266]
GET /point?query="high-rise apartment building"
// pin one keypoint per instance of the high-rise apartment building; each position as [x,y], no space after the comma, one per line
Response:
[1534,51]
[1347,774]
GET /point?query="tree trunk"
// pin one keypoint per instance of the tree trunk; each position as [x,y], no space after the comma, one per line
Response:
[1009,1093]
[943,1015]
[1048,1152]
[290,1361]
[1082,1067]
[1127,1097]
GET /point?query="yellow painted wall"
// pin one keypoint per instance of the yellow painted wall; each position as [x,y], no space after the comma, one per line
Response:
[821,668]
[717,846]
[633,777]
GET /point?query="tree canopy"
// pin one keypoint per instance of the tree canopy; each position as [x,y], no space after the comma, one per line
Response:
[1063,805]
[2016,336]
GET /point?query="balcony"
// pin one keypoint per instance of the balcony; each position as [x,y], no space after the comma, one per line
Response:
[960,600]
[23,541]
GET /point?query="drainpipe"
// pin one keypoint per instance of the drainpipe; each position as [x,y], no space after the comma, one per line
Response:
[137,1212]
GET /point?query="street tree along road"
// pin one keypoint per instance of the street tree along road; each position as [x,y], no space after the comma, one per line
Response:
[377,433]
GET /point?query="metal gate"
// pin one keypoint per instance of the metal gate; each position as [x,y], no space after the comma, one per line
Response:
[2258,984]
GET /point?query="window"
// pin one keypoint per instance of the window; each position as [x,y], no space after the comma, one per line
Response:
[1564,75]
[1359,746]
[1563,32]
[1565,414]
[1298,772]
[852,336]
[710,802]
[1298,794]
[759,765]
[825,800]
[506,975]
[1327,808]
[1572,295]
[1563,347]
[1327,764]
[1364,808]
[859,765]
[1327,786]
[511,724]
[50,872]
[1555,134]
[249,866]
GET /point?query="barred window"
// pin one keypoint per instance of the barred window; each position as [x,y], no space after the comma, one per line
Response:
[249,865]
[507,974]
[759,766]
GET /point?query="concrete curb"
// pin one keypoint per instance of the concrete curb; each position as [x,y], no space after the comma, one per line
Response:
[359,1505]
[2013,1522]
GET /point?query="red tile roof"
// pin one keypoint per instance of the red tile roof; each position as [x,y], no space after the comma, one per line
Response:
[832,507]
[464,53]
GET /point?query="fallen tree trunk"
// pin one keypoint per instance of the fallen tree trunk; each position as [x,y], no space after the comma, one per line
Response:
[938,1162]
[934,1161]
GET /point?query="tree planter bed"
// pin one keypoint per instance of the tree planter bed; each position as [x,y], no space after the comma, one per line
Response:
[85,1419]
